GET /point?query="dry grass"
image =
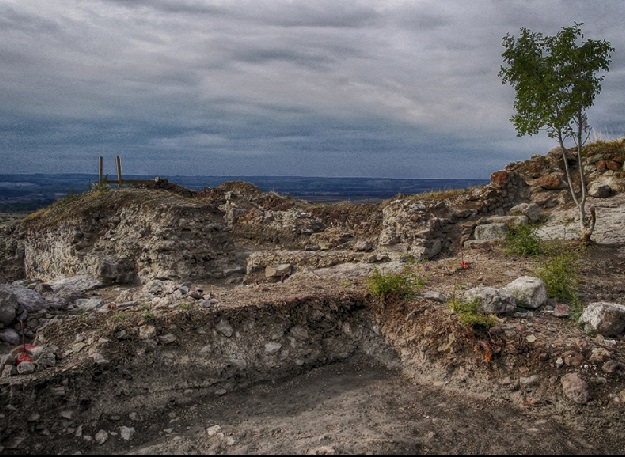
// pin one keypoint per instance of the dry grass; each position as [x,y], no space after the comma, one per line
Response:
[606,147]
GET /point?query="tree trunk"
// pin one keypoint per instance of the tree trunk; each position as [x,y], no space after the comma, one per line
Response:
[586,222]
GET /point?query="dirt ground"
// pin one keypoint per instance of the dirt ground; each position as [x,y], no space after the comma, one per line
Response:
[441,401]
[359,408]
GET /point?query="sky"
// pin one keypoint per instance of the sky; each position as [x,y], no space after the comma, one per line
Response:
[386,88]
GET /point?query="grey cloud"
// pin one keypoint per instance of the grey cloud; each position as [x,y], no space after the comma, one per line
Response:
[18,21]
[272,87]
[168,6]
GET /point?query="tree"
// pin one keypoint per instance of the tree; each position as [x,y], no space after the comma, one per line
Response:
[555,80]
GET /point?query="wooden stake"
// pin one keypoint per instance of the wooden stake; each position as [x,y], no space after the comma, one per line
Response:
[101,169]
[119,172]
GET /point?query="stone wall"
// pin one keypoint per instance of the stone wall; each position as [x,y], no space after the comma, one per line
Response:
[126,235]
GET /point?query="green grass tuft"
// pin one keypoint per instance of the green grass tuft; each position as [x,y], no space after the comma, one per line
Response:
[405,284]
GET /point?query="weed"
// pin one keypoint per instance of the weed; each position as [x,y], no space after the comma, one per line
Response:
[120,316]
[185,306]
[523,240]
[560,274]
[146,311]
[100,187]
[404,284]
[469,313]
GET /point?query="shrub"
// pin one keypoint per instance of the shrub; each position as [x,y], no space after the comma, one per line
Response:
[404,284]
[523,240]
[469,314]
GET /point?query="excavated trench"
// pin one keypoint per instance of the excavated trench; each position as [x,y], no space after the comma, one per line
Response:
[312,376]
[147,366]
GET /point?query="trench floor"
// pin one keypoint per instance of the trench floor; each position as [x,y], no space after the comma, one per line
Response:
[353,407]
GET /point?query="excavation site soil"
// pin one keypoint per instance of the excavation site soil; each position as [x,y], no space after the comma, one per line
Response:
[316,367]
[246,323]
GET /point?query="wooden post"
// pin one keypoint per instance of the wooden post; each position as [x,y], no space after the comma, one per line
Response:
[101,169]
[119,172]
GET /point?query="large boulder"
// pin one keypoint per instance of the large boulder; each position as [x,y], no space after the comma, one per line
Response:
[605,318]
[117,271]
[495,228]
[490,232]
[28,299]
[552,181]
[426,249]
[529,210]
[600,189]
[496,301]
[529,292]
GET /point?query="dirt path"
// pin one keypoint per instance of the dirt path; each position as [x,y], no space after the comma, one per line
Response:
[353,408]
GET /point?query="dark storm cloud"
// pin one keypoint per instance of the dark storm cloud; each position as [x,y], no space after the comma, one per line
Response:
[393,88]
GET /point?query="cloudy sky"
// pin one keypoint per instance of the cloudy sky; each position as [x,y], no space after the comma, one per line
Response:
[386,88]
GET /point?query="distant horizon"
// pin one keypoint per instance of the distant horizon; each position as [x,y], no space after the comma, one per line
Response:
[31,190]
[243,176]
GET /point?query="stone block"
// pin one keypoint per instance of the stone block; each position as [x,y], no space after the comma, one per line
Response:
[528,291]
[605,318]
[496,301]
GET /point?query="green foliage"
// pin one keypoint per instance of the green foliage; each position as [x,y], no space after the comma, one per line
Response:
[555,81]
[185,306]
[469,313]
[404,284]
[523,240]
[554,78]
[560,274]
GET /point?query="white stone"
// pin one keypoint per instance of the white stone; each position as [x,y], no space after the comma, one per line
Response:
[126,432]
[272,347]
[530,210]
[529,292]
[490,232]
[498,301]
[99,359]
[212,431]
[147,332]
[101,437]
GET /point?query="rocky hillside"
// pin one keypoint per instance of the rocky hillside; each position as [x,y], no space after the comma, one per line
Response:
[149,312]
[133,235]
[237,234]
